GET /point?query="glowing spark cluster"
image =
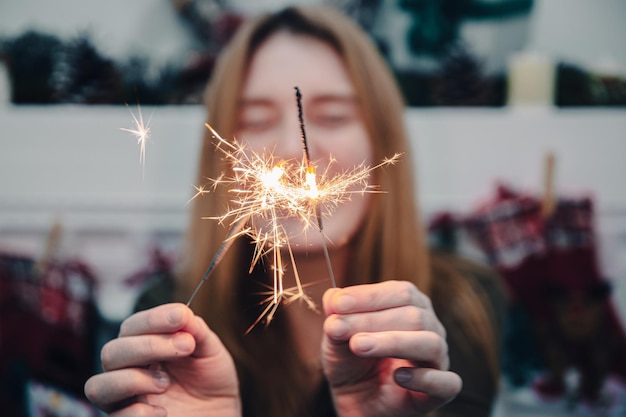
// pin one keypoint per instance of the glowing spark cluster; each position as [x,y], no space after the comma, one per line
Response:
[266,191]
[142,133]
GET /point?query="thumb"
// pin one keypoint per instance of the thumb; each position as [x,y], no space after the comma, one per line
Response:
[328,295]
[341,366]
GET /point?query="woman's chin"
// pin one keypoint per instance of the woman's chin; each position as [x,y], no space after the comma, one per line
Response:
[313,241]
[307,238]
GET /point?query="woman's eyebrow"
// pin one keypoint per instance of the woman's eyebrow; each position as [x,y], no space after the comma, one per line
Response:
[252,101]
[317,99]
[336,98]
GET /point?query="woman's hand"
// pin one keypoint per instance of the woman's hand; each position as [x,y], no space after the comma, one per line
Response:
[384,351]
[165,362]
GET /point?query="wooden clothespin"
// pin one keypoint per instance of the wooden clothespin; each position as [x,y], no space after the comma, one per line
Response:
[548,203]
[52,245]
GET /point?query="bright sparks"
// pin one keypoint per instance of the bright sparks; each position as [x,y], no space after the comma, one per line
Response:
[266,191]
[141,132]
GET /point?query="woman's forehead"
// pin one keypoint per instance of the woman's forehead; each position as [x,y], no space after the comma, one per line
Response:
[286,60]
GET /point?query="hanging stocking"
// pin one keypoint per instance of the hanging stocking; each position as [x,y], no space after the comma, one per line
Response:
[508,230]
[585,332]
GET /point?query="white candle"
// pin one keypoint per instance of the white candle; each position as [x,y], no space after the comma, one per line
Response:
[531,80]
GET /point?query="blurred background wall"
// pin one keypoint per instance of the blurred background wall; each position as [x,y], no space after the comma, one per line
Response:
[517,94]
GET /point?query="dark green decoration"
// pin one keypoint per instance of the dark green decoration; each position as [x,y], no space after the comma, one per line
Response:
[30,59]
[577,87]
[436,22]
[82,75]
[155,90]
[43,69]
[573,86]
[416,87]
[461,81]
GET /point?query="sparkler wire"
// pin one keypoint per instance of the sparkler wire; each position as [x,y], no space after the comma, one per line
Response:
[318,214]
[326,254]
[219,255]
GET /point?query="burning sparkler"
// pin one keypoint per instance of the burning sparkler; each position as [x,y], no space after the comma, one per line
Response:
[266,191]
[310,180]
[141,132]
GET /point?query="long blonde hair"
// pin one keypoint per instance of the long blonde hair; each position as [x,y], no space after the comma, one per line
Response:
[390,244]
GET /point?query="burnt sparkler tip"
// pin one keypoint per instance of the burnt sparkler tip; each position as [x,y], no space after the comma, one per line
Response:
[305,145]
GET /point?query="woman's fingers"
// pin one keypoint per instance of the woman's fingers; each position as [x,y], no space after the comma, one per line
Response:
[440,386]
[424,348]
[169,331]
[400,318]
[166,318]
[372,297]
[208,344]
[112,390]
[168,337]
[391,319]
[388,325]
[389,305]
[144,350]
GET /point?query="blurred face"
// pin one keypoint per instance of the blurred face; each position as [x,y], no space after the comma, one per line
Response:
[268,122]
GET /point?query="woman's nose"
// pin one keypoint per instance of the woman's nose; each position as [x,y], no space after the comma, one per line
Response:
[289,144]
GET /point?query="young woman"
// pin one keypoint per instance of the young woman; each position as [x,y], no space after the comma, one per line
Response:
[401,330]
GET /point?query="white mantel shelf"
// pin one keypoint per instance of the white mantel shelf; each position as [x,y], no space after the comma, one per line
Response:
[74,162]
